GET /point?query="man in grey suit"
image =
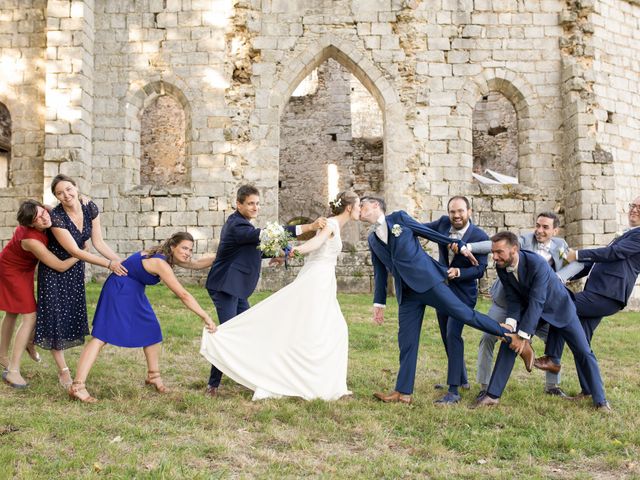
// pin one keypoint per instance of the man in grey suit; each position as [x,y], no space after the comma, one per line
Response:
[544,242]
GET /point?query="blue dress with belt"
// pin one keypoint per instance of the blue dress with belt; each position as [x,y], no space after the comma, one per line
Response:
[124,316]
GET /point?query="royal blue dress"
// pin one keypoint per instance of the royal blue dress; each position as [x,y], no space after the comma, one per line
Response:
[124,316]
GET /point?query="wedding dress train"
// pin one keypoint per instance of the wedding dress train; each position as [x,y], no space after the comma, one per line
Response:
[293,343]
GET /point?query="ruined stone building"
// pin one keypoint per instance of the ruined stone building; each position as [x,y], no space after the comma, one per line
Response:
[162,108]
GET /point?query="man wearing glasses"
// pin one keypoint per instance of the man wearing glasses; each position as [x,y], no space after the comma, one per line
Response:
[613,271]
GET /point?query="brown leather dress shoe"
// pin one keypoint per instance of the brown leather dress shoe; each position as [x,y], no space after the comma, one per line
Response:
[528,356]
[211,391]
[393,397]
[545,363]
[485,401]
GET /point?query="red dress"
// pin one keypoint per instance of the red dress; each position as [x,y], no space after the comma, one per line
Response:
[16,272]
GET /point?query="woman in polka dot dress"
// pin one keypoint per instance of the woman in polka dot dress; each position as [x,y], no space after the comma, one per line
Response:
[62,307]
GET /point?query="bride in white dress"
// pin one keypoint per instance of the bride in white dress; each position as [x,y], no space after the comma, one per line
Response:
[295,342]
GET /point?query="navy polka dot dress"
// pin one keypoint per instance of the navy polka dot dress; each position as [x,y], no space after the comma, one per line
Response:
[62,306]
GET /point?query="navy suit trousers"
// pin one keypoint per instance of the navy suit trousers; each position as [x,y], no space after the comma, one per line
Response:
[410,314]
[451,334]
[227,307]
[591,308]
[586,361]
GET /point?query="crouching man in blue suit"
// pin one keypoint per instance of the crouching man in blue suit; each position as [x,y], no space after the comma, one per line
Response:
[235,272]
[535,293]
[419,281]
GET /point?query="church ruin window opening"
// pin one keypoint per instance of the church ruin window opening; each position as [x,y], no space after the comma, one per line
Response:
[5,146]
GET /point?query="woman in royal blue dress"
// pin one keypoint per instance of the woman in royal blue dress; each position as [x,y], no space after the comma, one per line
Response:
[124,316]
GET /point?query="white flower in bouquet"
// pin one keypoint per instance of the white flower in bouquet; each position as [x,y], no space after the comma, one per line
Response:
[273,239]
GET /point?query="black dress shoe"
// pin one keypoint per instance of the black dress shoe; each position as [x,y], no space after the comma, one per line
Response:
[481,394]
[465,386]
[556,391]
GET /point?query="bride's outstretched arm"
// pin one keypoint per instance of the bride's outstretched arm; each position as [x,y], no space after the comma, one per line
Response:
[316,242]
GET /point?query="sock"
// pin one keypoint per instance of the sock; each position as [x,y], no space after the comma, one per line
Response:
[453,389]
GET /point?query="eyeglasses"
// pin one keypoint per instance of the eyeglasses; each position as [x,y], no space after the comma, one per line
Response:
[634,206]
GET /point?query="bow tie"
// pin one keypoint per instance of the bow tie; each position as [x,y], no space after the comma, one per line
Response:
[453,233]
[511,269]
[544,247]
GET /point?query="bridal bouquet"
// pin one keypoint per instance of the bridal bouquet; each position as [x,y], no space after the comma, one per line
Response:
[274,239]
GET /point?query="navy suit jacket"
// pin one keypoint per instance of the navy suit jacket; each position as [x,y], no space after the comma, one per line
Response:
[613,270]
[537,294]
[465,286]
[236,269]
[405,258]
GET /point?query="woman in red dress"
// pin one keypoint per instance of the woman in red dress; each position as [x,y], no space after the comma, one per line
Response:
[18,262]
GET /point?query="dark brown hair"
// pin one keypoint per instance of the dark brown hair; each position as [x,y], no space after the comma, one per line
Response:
[165,247]
[509,237]
[27,212]
[459,197]
[378,200]
[244,191]
[552,216]
[61,177]
[341,202]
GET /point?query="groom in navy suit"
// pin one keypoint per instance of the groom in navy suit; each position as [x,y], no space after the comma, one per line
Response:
[463,278]
[534,294]
[419,281]
[235,271]
[613,271]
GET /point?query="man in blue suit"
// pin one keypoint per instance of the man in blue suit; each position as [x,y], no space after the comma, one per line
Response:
[235,271]
[463,278]
[535,293]
[613,271]
[419,281]
[543,241]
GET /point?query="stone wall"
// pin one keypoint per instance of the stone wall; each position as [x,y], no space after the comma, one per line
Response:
[22,49]
[616,73]
[88,69]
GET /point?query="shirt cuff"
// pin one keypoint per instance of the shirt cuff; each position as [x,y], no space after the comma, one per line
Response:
[577,251]
[466,247]
[381,305]
[524,335]
[512,323]
[298,230]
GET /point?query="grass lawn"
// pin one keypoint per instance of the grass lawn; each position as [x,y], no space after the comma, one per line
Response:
[135,433]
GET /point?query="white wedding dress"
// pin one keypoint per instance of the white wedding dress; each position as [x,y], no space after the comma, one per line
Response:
[295,342]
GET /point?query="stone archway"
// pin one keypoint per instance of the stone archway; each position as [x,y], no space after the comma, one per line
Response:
[523,99]
[136,102]
[397,146]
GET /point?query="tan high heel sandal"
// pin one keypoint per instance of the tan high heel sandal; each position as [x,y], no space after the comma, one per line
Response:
[66,385]
[154,378]
[75,393]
